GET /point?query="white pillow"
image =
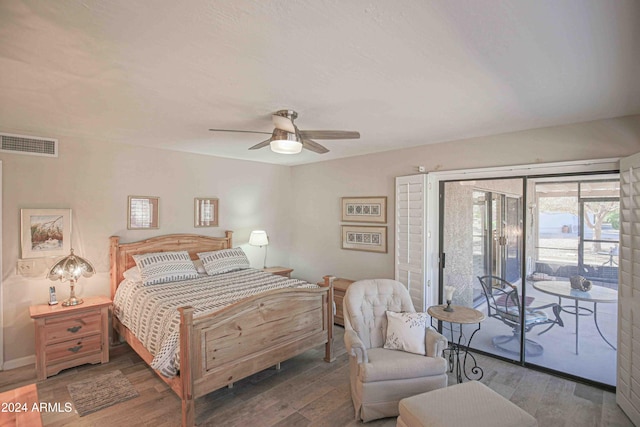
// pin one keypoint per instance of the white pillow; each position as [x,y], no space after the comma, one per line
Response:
[163,267]
[223,261]
[406,332]
[133,274]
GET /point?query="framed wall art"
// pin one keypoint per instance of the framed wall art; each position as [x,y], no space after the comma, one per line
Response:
[365,238]
[364,209]
[45,232]
[205,212]
[143,213]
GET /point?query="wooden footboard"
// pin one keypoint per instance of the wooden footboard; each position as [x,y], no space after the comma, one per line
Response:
[248,337]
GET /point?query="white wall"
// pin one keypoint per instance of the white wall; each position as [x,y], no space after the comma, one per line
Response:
[94,180]
[298,206]
[318,187]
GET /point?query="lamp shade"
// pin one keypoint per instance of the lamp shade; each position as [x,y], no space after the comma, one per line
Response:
[258,238]
[71,268]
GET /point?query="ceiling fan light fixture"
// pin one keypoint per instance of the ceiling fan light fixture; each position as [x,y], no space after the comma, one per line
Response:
[283,142]
[286,138]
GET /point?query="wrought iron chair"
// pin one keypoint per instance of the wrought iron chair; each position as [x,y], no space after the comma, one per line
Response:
[504,304]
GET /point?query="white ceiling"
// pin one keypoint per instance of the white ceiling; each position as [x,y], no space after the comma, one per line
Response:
[403,73]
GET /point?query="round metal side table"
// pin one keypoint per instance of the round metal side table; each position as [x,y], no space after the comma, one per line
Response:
[458,317]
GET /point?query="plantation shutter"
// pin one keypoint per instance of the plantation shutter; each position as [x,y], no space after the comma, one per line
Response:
[410,245]
[628,385]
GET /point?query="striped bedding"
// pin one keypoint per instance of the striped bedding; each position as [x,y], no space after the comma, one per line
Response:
[150,312]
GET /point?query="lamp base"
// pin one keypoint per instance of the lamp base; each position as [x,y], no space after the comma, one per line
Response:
[72,301]
[448,308]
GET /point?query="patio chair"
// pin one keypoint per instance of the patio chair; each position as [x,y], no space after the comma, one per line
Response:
[504,304]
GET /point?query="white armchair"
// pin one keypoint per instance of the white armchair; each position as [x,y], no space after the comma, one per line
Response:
[381,377]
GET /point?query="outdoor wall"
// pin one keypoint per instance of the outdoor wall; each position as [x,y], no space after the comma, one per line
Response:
[94,180]
[458,244]
[318,187]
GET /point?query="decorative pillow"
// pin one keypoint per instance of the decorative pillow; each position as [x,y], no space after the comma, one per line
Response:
[133,274]
[162,267]
[223,261]
[199,266]
[407,332]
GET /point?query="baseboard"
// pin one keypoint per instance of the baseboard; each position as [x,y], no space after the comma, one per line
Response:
[17,363]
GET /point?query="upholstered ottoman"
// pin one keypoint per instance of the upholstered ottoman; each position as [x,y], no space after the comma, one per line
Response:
[467,404]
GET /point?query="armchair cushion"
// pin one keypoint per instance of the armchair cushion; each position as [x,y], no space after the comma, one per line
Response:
[387,365]
[406,332]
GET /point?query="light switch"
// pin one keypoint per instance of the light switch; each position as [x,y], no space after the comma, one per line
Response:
[32,267]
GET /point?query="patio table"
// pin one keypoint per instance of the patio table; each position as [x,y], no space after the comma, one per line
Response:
[597,294]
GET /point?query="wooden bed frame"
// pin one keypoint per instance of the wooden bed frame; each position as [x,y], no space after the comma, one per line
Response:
[249,336]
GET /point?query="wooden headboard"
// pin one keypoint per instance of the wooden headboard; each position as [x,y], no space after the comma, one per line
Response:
[122,253]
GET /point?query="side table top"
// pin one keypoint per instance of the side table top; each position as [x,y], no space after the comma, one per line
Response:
[278,269]
[460,314]
[43,310]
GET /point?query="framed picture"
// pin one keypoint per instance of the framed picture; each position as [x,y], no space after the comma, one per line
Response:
[364,209]
[45,232]
[365,238]
[205,212]
[143,213]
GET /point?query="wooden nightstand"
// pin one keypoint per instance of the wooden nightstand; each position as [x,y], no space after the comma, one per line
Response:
[280,271]
[339,288]
[71,336]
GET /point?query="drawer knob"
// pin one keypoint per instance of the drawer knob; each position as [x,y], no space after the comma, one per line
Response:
[75,349]
[74,329]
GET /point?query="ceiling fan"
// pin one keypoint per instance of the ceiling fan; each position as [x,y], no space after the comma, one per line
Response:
[286,138]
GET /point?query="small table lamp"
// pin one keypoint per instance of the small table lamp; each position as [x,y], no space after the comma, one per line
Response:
[71,268]
[260,238]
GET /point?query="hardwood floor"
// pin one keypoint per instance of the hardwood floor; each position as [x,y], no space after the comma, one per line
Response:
[305,392]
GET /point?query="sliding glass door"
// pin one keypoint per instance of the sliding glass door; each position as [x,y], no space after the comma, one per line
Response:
[539,257]
[575,245]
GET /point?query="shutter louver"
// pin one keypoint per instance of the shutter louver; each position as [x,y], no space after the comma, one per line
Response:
[410,236]
[628,384]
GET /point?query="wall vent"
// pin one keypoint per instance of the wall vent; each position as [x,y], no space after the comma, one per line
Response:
[32,145]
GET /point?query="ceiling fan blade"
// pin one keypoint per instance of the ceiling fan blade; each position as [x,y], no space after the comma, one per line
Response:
[283,123]
[330,134]
[260,145]
[239,131]
[314,146]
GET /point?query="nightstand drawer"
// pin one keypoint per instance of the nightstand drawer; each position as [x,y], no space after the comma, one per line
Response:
[64,328]
[73,348]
